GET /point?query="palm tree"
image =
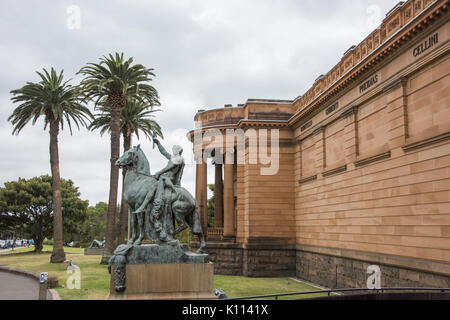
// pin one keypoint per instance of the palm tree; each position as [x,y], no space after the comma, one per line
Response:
[58,102]
[115,79]
[136,117]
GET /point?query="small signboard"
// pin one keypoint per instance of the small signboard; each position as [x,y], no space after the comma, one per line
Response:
[44,277]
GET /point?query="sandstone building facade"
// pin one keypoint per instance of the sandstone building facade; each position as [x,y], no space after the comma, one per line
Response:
[364,166]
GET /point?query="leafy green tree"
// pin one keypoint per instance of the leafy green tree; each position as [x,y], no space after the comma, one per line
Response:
[136,118]
[94,226]
[210,207]
[26,206]
[115,79]
[58,102]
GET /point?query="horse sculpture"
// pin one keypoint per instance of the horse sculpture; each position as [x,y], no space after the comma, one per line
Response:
[179,206]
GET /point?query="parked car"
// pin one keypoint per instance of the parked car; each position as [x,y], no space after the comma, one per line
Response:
[19,243]
[3,244]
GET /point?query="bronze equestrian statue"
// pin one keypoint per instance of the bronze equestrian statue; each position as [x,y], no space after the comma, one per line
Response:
[156,201]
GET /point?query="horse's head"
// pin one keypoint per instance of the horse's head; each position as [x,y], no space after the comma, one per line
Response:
[129,158]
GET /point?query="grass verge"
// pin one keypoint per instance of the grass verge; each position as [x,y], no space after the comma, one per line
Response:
[95,277]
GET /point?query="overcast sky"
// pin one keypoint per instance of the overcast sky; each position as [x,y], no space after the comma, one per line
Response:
[205,54]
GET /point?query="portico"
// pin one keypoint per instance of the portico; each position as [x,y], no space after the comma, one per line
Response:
[224,228]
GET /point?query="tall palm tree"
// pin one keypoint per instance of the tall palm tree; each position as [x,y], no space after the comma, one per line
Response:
[115,79]
[58,102]
[136,117]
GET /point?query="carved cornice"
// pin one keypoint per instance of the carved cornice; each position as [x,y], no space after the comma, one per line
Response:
[350,111]
[400,81]
[261,123]
[391,36]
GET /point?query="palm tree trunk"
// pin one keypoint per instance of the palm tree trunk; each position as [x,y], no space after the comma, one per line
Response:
[124,204]
[116,112]
[58,254]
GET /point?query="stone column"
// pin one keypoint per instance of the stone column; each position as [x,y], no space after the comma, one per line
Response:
[218,196]
[201,194]
[228,198]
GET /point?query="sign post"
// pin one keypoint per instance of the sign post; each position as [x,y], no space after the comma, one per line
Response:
[43,285]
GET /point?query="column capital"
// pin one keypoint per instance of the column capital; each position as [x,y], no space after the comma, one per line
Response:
[350,111]
[198,156]
[400,81]
[318,129]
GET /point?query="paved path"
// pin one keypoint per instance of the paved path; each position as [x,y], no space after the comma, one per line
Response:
[17,287]
[10,249]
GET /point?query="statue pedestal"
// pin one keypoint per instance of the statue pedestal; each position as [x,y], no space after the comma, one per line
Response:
[165,272]
[166,282]
[93,251]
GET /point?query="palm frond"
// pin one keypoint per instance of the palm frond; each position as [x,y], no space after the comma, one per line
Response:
[51,97]
[115,75]
[136,118]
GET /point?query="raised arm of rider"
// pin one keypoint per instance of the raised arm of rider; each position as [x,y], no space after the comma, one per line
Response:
[162,150]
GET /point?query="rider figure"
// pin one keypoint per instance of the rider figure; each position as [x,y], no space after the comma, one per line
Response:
[170,176]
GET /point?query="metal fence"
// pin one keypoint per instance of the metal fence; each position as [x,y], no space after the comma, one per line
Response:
[328,292]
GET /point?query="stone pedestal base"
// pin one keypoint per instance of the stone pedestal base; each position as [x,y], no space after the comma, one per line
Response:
[93,251]
[166,282]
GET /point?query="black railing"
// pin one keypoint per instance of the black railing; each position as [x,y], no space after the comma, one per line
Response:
[344,290]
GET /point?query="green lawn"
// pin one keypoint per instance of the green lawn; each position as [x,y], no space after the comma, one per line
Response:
[95,277]
[235,286]
[44,249]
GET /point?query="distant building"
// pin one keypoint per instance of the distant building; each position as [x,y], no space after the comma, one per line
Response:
[363,174]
